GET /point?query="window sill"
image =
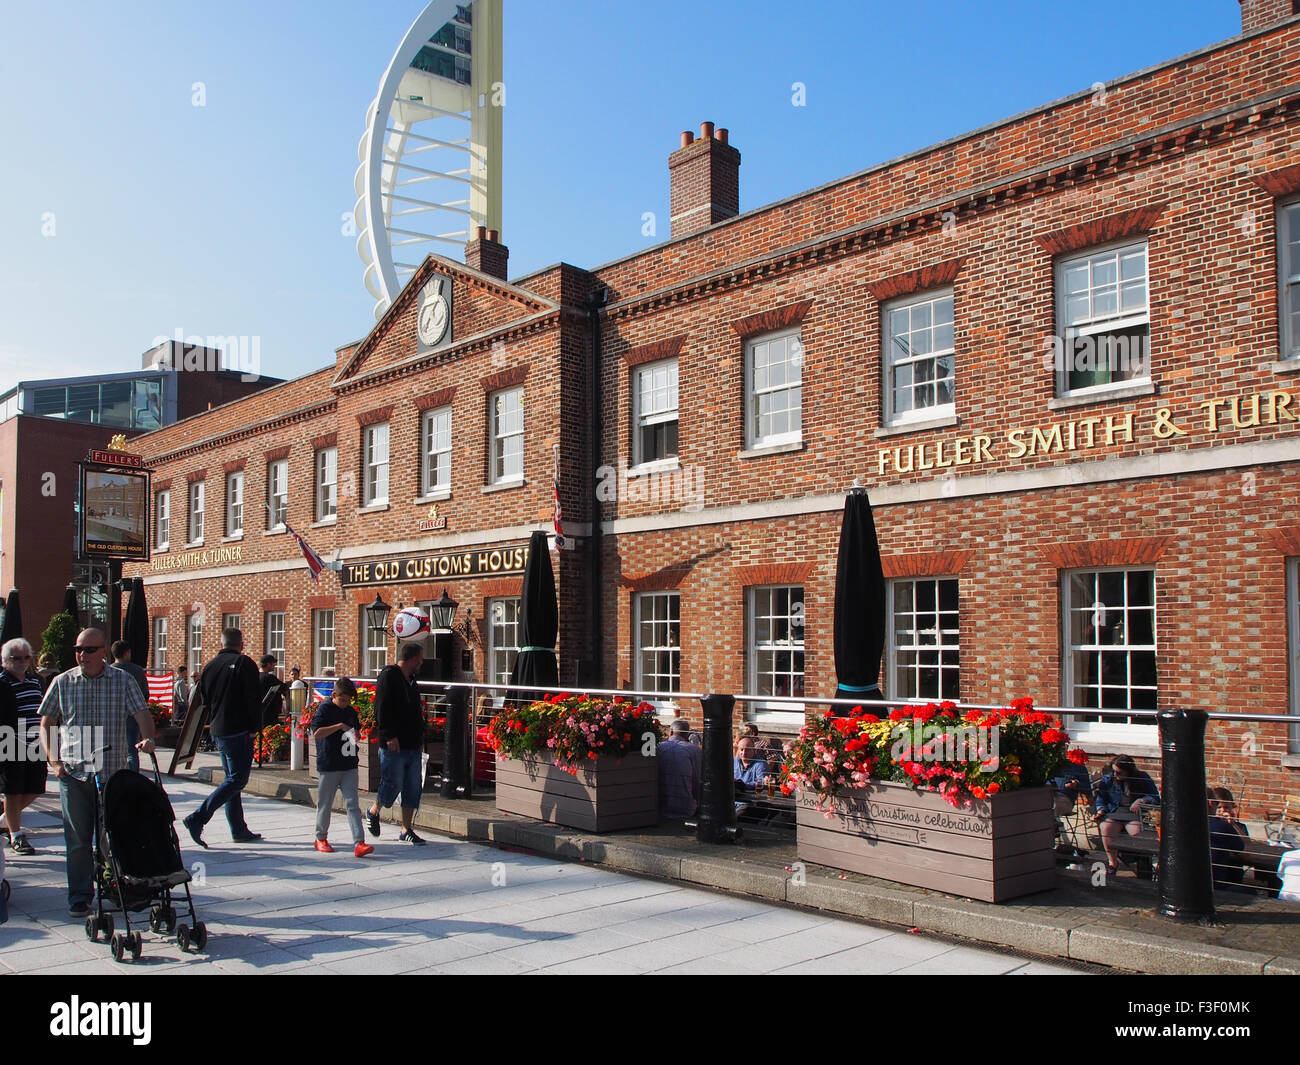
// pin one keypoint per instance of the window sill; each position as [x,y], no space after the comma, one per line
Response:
[191,545]
[1102,394]
[373,508]
[1290,761]
[771,449]
[504,486]
[646,469]
[1137,750]
[324,523]
[1287,366]
[279,530]
[162,548]
[234,538]
[948,422]
[433,497]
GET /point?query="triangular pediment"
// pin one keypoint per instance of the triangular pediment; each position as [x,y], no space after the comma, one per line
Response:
[479,306]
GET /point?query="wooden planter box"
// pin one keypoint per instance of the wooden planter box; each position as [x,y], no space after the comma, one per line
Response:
[997,850]
[605,795]
[367,768]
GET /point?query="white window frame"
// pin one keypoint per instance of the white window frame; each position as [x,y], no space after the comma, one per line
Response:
[1100,324]
[503,619]
[232,621]
[1288,279]
[194,644]
[793,343]
[1110,729]
[235,503]
[374,647]
[327,483]
[500,449]
[435,452]
[947,640]
[1293,647]
[757,599]
[671,624]
[162,519]
[375,464]
[664,410]
[324,640]
[277,495]
[274,626]
[197,493]
[934,301]
[159,643]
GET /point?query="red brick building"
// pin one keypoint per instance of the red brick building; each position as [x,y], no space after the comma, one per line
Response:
[1062,352]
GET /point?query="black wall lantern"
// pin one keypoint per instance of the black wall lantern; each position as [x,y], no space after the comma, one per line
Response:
[443,612]
[377,615]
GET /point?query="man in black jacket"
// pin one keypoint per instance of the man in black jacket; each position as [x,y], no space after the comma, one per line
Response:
[230,692]
[399,721]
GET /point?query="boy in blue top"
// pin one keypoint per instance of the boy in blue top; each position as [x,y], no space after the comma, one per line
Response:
[337,730]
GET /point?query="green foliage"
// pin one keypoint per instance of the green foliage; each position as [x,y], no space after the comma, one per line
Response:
[58,639]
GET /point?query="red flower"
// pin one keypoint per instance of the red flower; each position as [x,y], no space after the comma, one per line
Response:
[1078,756]
[1051,735]
[994,788]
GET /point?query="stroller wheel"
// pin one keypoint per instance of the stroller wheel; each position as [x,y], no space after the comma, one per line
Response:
[200,936]
[183,937]
[135,944]
[155,919]
[169,919]
[106,925]
[117,944]
[92,929]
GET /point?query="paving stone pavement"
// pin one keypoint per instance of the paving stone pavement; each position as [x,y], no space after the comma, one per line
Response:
[449,907]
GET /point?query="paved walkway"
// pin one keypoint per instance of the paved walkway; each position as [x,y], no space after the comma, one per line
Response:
[450,907]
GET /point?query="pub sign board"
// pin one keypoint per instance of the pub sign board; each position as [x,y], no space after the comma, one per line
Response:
[441,565]
[115,513]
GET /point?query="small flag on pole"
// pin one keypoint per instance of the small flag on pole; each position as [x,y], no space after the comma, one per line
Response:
[559,528]
[314,562]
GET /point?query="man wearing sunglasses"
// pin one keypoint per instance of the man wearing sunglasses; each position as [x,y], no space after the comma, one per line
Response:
[83,725]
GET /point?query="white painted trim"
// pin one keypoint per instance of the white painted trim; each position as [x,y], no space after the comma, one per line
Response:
[1103,394]
[1137,467]
[949,422]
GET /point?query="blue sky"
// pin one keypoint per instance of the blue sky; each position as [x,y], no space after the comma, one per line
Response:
[225,219]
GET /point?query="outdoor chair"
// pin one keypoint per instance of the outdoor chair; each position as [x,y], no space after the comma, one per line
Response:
[1284,826]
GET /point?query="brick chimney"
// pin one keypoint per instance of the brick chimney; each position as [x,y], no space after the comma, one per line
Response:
[1261,14]
[486,254]
[704,181]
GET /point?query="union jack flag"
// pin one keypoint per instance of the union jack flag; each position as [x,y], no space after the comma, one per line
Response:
[314,562]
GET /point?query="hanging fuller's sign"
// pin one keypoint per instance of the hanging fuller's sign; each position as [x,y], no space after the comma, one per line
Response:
[479,562]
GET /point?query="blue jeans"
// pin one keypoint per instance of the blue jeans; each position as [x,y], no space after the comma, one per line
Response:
[77,798]
[399,771]
[237,763]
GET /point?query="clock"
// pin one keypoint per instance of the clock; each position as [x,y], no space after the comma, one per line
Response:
[434,316]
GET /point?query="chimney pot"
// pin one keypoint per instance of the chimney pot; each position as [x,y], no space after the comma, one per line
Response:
[720,135]
[481,233]
[687,137]
[706,131]
[492,235]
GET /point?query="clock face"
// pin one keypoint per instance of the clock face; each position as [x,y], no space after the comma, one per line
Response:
[433,320]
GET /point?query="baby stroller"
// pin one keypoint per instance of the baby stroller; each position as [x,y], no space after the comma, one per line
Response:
[138,864]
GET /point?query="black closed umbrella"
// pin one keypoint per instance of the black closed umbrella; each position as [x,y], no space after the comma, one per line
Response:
[70,605]
[135,630]
[859,603]
[13,623]
[539,623]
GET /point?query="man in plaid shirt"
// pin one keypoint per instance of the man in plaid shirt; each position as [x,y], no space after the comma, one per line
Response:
[84,715]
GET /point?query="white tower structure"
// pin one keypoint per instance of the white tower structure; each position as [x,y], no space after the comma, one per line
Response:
[430,156]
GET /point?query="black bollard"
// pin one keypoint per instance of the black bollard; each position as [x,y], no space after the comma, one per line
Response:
[1186,888]
[717,820]
[457,744]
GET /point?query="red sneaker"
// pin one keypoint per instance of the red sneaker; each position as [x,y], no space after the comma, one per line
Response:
[323,845]
[362,849]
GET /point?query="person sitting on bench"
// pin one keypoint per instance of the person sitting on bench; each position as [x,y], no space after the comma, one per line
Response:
[1121,794]
[1227,840]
